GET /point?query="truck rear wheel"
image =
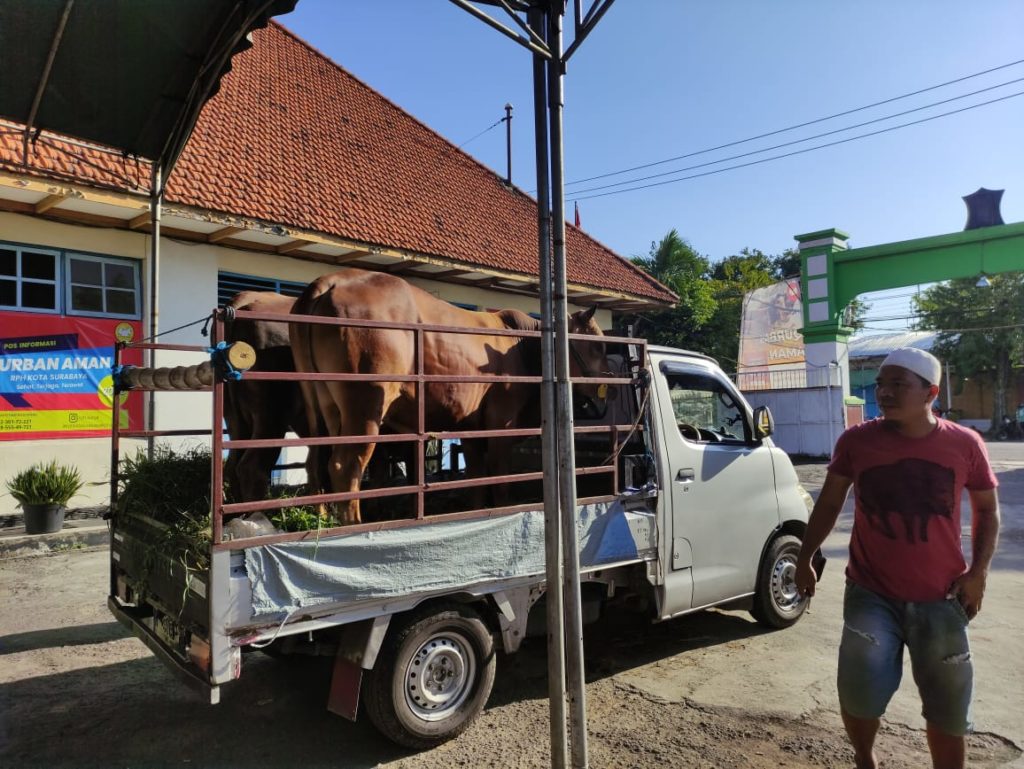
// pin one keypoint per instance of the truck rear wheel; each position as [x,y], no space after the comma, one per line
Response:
[777,602]
[432,677]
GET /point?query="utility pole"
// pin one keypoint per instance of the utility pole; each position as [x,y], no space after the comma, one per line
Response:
[508,142]
[541,33]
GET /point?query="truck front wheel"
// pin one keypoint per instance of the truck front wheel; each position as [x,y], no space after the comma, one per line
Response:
[432,677]
[777,603]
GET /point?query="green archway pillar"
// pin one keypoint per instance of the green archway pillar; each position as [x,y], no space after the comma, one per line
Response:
[825,336]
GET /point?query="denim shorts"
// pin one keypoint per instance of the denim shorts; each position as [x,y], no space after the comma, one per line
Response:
[875,631]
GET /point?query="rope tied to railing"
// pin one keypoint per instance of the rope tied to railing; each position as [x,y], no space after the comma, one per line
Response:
[643,380]
[227,311]
[221,358]
[205,319]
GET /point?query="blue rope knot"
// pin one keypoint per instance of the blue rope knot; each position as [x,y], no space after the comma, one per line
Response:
[116,373]
[219,356]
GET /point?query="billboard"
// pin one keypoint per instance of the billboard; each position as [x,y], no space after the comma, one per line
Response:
[55,379]
[770,339]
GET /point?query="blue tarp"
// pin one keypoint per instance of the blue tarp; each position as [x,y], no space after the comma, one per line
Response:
[426,558]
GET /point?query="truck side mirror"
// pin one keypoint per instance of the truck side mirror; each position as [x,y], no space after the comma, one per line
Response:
[764,422]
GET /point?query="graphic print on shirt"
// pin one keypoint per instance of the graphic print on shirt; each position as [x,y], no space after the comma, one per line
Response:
[914,490]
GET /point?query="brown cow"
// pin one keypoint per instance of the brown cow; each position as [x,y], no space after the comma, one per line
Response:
[364,408]
[257,410]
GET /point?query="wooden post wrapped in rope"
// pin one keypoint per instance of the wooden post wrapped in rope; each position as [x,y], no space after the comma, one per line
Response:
[227,361]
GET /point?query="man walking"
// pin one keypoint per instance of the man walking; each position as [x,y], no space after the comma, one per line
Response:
[908,584]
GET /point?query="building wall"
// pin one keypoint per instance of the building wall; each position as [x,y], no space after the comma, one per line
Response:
[188,292]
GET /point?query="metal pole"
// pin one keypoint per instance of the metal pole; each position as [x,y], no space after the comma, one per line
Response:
[949,392]
[563,402]
[508,142]
[155,200]
[828,410]
[549,447]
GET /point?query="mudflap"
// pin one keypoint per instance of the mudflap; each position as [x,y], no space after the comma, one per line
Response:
[357,651]
[346,679]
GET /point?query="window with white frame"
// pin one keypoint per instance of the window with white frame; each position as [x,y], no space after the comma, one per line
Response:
[36,279]
[99,285]
[29,278]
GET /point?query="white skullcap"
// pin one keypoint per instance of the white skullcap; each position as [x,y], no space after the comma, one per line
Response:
[922,363]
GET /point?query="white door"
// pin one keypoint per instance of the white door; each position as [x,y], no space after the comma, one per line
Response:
[723,501]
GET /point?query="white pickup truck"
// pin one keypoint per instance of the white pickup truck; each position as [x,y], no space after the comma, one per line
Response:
[708,512]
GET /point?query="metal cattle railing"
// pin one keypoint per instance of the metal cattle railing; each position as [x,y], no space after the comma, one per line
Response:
[419,485]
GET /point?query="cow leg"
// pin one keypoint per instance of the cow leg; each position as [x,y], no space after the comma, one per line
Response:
[361,408]
[239,428]
[499,452]
[475,452]
[253,471]
[231,479]
[324,420]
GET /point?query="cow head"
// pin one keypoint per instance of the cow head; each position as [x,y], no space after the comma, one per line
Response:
[588,359]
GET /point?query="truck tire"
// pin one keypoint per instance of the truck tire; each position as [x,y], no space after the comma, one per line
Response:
[432,677]
[777,604]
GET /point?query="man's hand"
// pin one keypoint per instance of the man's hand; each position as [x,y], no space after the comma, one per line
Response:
[805,578]
[823,518]
[968,589]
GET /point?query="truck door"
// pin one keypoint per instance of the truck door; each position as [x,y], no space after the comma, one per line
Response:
[723,500]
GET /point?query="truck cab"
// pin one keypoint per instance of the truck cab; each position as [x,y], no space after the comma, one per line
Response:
[733,510]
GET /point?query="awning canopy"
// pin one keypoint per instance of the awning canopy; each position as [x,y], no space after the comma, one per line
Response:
[122,73]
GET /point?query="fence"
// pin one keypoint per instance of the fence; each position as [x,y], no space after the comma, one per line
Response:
[807,406]
[418,485]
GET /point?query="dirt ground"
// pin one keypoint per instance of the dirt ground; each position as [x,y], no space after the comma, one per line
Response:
[711,690]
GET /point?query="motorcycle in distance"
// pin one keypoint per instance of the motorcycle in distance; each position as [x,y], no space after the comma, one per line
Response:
[1009,430]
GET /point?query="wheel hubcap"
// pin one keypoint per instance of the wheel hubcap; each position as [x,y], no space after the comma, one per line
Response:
[439,677]
[784,591]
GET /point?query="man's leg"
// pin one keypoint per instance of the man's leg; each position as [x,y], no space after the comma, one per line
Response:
[940,653]
[947,749]
[861,732]
[870,666]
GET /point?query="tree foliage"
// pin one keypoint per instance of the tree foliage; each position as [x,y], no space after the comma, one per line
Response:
[674,262]
[981,330]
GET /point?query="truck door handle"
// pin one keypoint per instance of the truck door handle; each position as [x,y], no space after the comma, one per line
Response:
[685,475]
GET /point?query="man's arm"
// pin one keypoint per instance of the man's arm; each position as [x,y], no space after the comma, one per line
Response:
[970,586]
[823,519]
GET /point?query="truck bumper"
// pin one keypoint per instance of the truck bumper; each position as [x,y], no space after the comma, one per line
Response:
[132,620]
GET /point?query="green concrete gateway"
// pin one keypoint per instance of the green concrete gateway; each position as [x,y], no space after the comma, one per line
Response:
[833,275]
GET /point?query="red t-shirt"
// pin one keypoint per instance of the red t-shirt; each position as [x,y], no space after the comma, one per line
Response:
[905,542]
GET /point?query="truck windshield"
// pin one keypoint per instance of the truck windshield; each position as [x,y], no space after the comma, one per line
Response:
[704,406]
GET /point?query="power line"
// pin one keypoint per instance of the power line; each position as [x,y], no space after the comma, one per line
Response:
[495,123]
[955,330]
[801,151]
[799,141]
[798,125]
[975,312]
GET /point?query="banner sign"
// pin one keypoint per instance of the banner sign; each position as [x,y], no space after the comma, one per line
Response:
[770,327]
[55,379]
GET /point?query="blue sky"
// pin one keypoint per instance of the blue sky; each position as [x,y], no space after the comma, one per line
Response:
[663,78]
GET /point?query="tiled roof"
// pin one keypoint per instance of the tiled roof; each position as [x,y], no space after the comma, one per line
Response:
[293,139]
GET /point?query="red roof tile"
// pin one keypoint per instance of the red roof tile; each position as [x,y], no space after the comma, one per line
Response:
[293,139]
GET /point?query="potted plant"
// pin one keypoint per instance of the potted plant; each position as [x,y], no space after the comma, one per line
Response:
[42,491]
